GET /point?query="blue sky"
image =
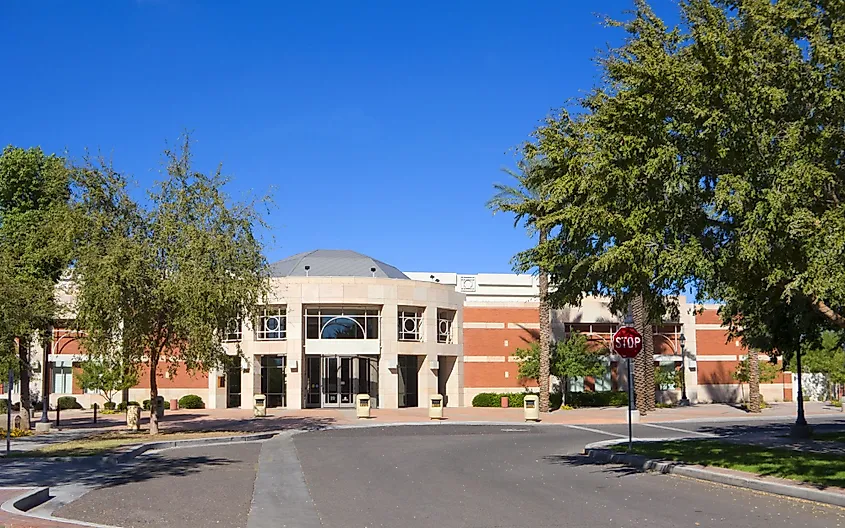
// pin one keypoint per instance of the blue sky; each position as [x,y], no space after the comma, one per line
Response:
[381,126]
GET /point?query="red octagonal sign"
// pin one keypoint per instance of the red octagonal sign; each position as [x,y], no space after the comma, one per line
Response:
[627,342]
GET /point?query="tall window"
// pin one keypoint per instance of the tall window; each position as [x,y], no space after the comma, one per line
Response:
[410,324]
[445,322]
[271,324]
[274,380]
[62,380]
[603,381]
[341,323]
[234,331]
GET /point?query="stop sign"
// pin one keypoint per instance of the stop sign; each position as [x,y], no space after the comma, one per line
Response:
[627,342]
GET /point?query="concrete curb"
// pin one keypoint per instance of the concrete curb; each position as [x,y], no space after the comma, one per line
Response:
[126,454]
[21,504]
[606,456]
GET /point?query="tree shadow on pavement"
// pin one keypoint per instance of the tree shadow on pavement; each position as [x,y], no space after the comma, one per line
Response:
[40,472]
[583,460]
[203,422]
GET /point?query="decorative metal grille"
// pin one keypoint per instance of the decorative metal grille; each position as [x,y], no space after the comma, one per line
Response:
[272,324]
[410,324]
[445,320]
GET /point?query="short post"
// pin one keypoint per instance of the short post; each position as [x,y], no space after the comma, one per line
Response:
[58,413]
[95,412]
[9,413]
[630,407]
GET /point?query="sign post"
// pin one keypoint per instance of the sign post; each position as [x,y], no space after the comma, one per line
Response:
[9,413]
[627,342]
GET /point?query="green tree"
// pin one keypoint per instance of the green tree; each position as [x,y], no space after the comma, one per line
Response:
[623,200]
[106,377]
[34,194]
[570,358]
[159,283]
[526,201]
[750,368]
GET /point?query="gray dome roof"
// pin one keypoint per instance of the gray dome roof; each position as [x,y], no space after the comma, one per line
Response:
[333,263]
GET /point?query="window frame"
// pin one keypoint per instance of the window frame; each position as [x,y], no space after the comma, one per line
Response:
[280,313]
[410,313]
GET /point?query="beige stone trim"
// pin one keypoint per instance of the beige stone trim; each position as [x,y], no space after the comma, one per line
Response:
[523,326]
[488,326]
[701,358]
[484,359]
[709,326]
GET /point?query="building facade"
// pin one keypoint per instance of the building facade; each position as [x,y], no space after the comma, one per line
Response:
[338,323]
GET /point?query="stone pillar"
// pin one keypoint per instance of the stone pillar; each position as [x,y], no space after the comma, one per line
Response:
[295,350]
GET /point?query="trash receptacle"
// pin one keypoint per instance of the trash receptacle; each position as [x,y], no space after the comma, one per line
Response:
[160,407]
[435,408]
[133,418]
[532,408]
[259,406]
[362,405]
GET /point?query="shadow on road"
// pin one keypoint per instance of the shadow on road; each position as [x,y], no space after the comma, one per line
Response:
[583,460]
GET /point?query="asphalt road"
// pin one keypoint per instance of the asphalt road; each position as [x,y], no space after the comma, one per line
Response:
[521,476]
[179,488]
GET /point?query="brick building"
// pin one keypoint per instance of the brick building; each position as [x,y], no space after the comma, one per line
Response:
[379,330]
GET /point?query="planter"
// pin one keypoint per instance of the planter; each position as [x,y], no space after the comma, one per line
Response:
[133,418]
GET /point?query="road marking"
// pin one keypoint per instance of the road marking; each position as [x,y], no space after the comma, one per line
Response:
[515,430]
[591,430]
[679,430]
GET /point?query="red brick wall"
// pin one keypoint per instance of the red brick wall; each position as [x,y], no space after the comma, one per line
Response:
[491,342]
[180,380]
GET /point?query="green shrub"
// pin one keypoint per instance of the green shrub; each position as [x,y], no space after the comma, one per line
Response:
[483,399]
[68,402]
[597,399]
[147,405]
[122,406]
[555,400]
[109,406]
[16,407]
[836,403]
[192,401]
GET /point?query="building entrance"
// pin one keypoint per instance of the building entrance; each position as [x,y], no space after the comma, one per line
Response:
[334,381]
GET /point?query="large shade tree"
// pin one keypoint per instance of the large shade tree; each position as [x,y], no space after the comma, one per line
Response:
[34,194]
[621,191]
[161,281]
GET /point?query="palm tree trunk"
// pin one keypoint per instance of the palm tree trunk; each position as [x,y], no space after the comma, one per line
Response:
[753,382]
[545,332]
[153,395]
[643,360]
[648,360]
[26,403]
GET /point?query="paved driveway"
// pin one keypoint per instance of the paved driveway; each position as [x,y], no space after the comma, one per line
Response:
[179,488]
[522,476]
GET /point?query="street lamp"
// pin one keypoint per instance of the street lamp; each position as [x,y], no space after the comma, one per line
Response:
[682,340]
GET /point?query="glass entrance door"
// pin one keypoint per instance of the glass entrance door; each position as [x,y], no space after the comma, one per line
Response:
[337,386]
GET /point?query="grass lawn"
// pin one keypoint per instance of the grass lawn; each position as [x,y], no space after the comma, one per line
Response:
[834,436]
[105,442]
[814,468]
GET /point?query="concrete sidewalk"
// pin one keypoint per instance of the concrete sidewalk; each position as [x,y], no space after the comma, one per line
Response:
[75,422]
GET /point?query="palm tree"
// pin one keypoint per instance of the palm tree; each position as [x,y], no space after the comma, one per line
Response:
[753,381]
[527,201]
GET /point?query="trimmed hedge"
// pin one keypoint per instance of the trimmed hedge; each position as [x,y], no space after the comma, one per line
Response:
[122,406]
[68,402]
[573,399]
[191,401]
[109,406]
[492,399]
[597,399]
[16,407]
[147,405]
